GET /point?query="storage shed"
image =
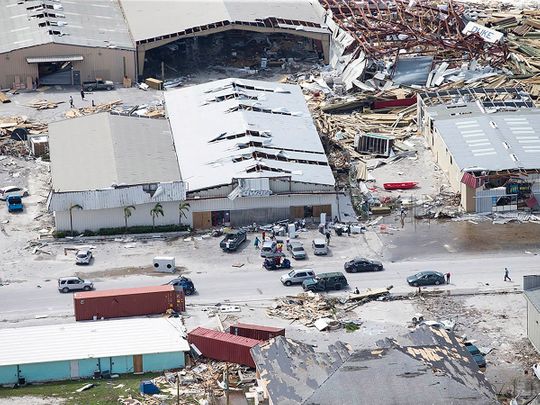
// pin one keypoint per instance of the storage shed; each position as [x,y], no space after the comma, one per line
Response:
[82,350]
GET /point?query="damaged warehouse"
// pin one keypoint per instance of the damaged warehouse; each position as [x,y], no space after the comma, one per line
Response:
[487,142]
[63,43]
[190,34]
[237,151]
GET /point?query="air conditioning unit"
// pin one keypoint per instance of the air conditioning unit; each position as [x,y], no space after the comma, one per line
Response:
[164,264]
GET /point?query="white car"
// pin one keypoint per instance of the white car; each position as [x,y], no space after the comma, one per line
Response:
[5,192]
[319,247]
[83,257]
[67,284]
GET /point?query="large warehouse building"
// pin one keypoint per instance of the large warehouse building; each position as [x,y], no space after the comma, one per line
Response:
[63,42]
[487,141]
[238,151]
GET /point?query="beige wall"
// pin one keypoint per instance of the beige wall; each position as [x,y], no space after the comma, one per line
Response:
[98,62]
[533,325]
[449,167]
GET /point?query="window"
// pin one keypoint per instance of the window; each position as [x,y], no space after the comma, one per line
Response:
[150,188]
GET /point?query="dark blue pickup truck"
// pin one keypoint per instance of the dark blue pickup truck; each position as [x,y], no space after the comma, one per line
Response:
[14,203]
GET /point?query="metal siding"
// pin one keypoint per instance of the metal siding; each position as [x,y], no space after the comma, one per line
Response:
[8,375]
[87,367]
[259,216]
[51,371]
[483,198]
[223,346]
[14,63]
[533,325]
[114,217]
[531,282]
[163,361]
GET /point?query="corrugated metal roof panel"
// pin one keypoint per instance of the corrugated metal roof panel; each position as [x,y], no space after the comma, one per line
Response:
[116,197]
[83,340]
[44,59]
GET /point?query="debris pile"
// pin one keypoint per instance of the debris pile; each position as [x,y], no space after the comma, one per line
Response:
[15,129]
[324,312]
[206,381]
[44,104]
[104,107]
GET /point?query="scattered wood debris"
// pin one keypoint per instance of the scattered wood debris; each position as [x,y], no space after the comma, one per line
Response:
[104,107]
[44,104]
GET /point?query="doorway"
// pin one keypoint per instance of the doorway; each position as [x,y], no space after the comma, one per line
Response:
[137,363]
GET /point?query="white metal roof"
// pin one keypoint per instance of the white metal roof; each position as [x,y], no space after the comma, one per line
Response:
[493,142]
[236,128]
[95,23]
[84,340]
[101,150]
[174,16]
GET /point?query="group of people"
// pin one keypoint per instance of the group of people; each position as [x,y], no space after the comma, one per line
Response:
[257,242]
[72,104]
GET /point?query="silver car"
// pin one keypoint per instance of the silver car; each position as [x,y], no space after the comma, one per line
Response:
[268,248]
[83,257]
[67,284]
[296,276]
[297,250]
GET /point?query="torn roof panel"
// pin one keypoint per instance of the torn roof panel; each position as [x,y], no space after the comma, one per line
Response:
[413,71]
[294,373]
[96,23]
[185,15]
[272,129]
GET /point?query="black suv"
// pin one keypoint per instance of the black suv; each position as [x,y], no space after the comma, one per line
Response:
[233,240]
[359,264]
[185,283]
[325,282]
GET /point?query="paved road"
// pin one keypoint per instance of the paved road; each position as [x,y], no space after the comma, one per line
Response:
[25,301]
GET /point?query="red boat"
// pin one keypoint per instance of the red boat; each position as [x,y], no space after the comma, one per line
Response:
[404,185]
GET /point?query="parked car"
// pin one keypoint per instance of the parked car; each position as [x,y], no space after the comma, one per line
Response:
[478,357]
[67,284]
[14,203]
[359,264]
[325,282]
[268,248]
[83,256]
[98,85]
[233,240]
[296,276]
[297,250]
[12,190]
[319,247]
[185,283]
[426,278]
[277,261]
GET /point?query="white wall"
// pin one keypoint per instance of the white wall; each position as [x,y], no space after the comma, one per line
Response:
[112,218]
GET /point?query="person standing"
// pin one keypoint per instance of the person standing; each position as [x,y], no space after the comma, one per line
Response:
[256,242]
[506,276]
[349,230]
[82,94]
[263,236]
[328,238]
[71,101]
[448,278]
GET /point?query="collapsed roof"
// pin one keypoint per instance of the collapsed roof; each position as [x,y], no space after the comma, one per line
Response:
[99,23]
[178,18]
[428,366]
[240,129]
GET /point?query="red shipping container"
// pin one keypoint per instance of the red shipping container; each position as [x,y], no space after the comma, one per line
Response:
[128,302]
[256,331]
[223,346]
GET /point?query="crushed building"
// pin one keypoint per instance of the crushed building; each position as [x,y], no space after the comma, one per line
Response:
[63,43]
[432,360]
[487,141]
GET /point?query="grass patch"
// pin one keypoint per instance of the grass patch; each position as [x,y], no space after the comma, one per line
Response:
[103,393]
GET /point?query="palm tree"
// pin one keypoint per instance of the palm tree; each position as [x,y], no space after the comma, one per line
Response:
[156,212]
[127,214]
[71,216]
[183,207]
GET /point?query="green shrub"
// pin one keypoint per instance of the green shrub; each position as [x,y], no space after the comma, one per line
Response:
[130,229]
[59,234]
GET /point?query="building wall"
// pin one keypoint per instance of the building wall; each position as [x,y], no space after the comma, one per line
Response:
[8,375]
[98,62]
[61,370]
[533,325]
[163,361]
[112,218]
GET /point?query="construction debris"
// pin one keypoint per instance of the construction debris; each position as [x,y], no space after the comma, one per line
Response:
[45,104]
[104,107]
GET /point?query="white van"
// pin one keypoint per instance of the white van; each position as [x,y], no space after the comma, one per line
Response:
[320,247]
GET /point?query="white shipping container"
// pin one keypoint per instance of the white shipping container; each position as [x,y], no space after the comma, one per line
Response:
[164,264]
